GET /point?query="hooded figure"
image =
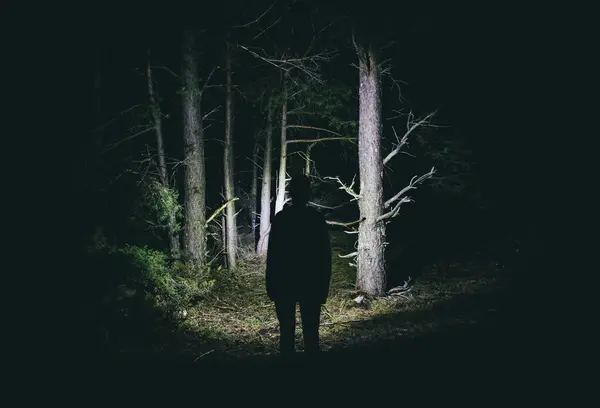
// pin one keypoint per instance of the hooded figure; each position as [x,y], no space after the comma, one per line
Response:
[298,267]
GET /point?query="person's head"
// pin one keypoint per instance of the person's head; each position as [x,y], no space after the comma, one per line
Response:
[299,189]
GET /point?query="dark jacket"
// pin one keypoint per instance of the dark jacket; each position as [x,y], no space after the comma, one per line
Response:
[299,256]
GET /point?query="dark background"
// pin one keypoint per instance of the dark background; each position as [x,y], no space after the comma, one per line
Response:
[493,71]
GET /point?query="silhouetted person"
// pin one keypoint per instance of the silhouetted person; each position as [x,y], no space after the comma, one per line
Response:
[298,267]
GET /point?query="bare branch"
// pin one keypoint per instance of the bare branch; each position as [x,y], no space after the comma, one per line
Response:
[117,116]
[257,19]
[166,69]
[267,29]
[326,206]
[219,210]
[350,255]
[129,138]
[323,139]
[394,211]
[207,80]
[309,65]
[411,186]
[211,112]
[411,126]
[402,290]
[344,224]
[313,128]
[347,189]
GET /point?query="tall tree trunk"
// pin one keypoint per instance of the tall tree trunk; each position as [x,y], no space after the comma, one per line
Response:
[194,234]
[162,165]
[228,163]
[265,191]
[224,236]
[371,233]
[254,190]
[280,201]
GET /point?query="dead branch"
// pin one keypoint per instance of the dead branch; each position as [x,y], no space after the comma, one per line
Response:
[118,116]
[350,255]
[326,206]
[411,186]
[211,112]
[219,210]
[257,19]
[207,80]
[323,139]
[313,128]
[394,211]
[308,65]
[266,29]
[344,224]
[128,138]
[401,291]
[347,189]
[411,125]
[166,69]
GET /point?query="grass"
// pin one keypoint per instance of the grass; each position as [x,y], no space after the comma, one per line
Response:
[238,319]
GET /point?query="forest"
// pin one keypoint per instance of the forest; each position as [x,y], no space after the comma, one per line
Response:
[193,123]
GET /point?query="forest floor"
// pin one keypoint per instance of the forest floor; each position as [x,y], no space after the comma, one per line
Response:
[459,315]
[242,322]
[237,322]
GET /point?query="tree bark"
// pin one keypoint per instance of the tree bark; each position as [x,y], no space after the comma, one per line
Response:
[371,232]
[307,165]
[254,190]
[280,201]
[194,233]
[265,191]
[228,163]
[162,165]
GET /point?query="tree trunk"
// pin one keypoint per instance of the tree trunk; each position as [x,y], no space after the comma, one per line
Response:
[307,165]
[224,236]
[371,233]
[254,190]
[162,165]
[280,201]
[265,191]
[228,163]
[194,234]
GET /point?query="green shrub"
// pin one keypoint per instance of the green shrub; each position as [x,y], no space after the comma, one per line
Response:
[175,285]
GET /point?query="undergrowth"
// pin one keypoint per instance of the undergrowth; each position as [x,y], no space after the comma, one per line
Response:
[147,303]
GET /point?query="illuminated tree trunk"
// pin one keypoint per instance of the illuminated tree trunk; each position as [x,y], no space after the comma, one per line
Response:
[307,165]
[228,163]
[283,155]
[162,165]
[194,184]
[265,191]
[371,232]
[254,188]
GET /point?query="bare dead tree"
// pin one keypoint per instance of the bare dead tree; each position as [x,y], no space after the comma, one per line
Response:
[375,212]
